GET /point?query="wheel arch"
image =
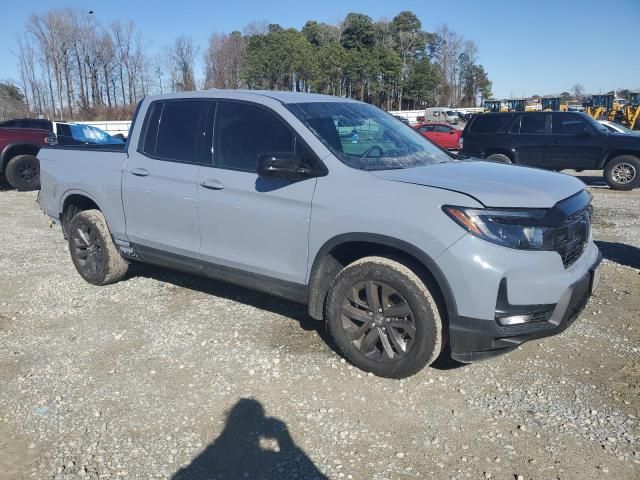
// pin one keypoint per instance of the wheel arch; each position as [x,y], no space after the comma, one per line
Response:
[512,154]
[344,249]
[14,149]
[616,153]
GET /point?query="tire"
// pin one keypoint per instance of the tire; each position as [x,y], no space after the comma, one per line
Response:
[23,172]
[623,172]
[93,252]
[499,157]
[389,346]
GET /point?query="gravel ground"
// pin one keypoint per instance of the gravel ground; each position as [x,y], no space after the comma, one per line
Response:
[166,375]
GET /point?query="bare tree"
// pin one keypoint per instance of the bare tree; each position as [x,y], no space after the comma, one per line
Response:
[182,56]
[223,60]
[578,91]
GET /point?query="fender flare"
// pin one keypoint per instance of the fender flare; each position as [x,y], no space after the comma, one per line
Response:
[425,261]
[5,151]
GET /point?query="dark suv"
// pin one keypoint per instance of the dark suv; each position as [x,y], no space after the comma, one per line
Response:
[555,141]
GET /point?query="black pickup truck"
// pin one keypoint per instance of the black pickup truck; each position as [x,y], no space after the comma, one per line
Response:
[555,141]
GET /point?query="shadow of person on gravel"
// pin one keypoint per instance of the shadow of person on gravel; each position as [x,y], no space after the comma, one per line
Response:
[620,253]
[251,446]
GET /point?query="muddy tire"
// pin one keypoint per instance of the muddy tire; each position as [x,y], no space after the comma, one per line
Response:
[23,172]
[93,252]
[623,172]
[499,158]
[383,318]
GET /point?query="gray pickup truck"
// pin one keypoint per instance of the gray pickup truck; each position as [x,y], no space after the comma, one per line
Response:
[405,251]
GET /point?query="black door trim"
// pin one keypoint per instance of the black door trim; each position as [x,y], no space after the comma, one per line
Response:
[295,292]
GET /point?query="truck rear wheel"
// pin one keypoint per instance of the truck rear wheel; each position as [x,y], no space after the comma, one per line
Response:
[383,318]
[623,172]
[23,172]
[93,252]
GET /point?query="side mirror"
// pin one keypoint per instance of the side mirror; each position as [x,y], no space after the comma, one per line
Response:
[451,132]
[51,139]
[283,165]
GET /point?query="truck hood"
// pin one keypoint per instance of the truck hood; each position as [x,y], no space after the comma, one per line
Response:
[492,184]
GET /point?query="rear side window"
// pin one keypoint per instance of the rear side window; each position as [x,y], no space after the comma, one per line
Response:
[441,129]
[489,123]
[568,125]
[178,130]
[243,132]
[150,132]
[533,124]
[426,128]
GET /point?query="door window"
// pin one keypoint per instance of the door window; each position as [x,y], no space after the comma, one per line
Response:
[426,128]
[243,132]
[178,130]
[533,124]
[489,123]
[568,125]
[441,129]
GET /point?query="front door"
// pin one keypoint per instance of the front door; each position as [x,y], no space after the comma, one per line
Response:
[160,180]
[250,223]
[574,143]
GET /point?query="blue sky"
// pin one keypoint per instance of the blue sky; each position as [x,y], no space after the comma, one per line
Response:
[527,46]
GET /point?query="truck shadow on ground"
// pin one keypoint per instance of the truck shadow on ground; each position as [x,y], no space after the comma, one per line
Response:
[620,253]
[252,446]
[262,301]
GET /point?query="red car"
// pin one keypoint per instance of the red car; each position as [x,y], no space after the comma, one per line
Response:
[442,134]
[18,149]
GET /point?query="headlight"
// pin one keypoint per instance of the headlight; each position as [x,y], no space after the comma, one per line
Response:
[521,229]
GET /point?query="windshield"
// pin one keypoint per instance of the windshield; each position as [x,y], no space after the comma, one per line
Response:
[451,113]
[364,137]
[85,134]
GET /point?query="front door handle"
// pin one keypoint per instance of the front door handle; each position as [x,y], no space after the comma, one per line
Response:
[212,184]
[140,172]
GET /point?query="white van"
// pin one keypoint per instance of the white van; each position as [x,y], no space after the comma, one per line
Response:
[440,114]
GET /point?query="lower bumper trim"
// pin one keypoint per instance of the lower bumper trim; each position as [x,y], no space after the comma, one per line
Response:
[473,339]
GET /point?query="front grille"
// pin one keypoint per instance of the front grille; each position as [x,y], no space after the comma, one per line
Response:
[572,236]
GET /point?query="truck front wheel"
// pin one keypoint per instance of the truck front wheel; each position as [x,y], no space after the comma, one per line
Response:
[93,252]
[23,172]
[623,172]
[383,318]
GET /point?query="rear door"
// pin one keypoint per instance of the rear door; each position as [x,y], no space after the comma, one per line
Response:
[574,144]
[529,135]
[160,180]
[251,223]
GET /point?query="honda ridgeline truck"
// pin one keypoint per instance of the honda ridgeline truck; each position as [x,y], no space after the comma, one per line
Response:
[402,249]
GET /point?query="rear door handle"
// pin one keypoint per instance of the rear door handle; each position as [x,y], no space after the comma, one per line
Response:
[140,172]
[212,184]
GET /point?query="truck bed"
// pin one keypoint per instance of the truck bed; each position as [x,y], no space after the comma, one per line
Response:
[94,170]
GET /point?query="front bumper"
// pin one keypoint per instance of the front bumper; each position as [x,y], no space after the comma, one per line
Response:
[473,339]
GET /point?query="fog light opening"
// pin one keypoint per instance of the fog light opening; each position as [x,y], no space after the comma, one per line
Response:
[522,318]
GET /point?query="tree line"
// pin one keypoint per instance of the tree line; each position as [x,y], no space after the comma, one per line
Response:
[72,66]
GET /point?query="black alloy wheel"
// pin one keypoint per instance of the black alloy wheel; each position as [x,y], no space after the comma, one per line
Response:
[378,321]
[88,250]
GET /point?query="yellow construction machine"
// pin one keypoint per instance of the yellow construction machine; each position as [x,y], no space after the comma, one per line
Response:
[554,104]
[631,112]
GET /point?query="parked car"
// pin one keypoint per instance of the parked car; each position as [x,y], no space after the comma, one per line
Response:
[21,139]
[555,141]
[617,128]
[18,150]
[403,251]
[404,120]
[439,114]
[442,134]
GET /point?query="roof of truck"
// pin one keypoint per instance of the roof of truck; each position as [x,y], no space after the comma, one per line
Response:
[281,96]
